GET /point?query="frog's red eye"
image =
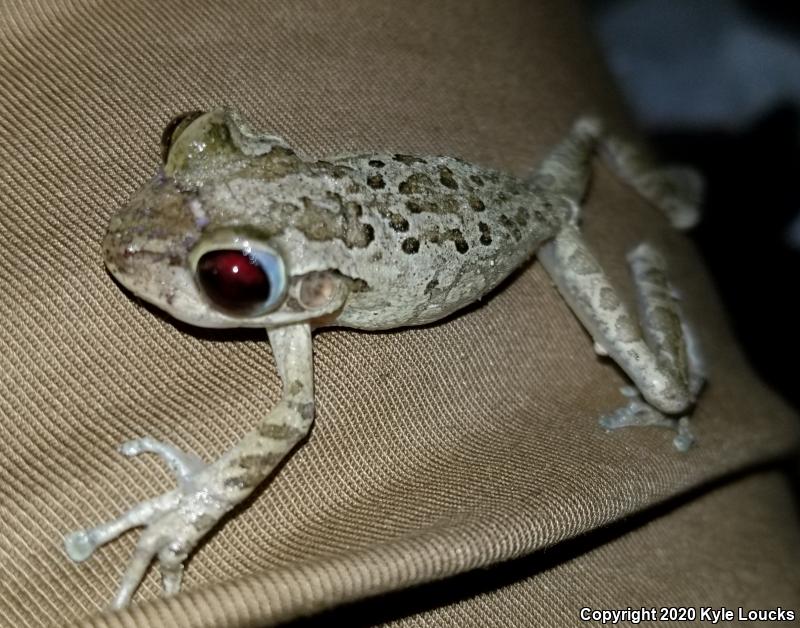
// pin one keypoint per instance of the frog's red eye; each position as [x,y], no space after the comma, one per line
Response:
[235,281]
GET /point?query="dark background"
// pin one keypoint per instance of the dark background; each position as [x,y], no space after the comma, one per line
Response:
[716,84]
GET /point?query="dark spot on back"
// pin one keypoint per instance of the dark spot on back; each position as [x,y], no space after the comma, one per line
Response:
[431,286]
[376,182]
[446,178]
[450,205]
[417,183]
[376,163]
[252,461]
[398,223]
[511,227]
[306,410]
[476,180]
[409,159]
[276,431]
[368,234]
[476,204]
[486,233]
[410,245]
[522,216]
[458,239]
[415,207]
[237,484]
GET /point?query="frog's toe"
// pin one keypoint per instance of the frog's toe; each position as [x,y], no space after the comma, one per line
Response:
[79,545]
[162,539]
[184,465]
[638,413]
[173,522]
[169,536]
[146,549]
[635,412]
[684,439]
[171,575]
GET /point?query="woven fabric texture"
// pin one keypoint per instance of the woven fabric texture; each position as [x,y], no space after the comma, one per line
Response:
[667,559]
[436,450]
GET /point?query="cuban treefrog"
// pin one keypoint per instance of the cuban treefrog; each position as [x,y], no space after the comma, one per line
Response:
[236,230]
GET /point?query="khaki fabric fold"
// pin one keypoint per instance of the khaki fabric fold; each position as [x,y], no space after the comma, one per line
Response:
[436,450]
[723,547]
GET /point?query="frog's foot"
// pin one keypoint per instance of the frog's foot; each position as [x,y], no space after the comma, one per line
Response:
[638,412]
[174,522]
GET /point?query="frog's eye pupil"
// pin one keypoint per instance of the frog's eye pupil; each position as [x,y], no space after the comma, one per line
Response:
[233,280]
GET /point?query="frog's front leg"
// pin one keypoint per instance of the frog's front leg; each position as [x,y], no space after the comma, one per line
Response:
[176,521]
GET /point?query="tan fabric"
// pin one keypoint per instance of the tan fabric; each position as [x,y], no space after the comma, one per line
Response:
[718,548]
[436,450]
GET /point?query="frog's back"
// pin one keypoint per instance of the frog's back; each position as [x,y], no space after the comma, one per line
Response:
[445,233]
[421,236]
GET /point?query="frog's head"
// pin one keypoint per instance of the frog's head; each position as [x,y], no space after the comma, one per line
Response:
[162,247]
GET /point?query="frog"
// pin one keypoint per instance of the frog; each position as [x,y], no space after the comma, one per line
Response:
[236,229]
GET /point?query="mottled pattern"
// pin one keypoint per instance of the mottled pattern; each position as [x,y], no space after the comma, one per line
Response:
[394,222]
[372,242]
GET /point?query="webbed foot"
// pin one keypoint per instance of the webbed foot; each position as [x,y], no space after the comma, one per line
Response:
[638,412]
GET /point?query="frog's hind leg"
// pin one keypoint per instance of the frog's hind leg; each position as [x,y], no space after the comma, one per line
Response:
[675,190]
[656,356]
[660,356]
[665,329]
[671,340]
